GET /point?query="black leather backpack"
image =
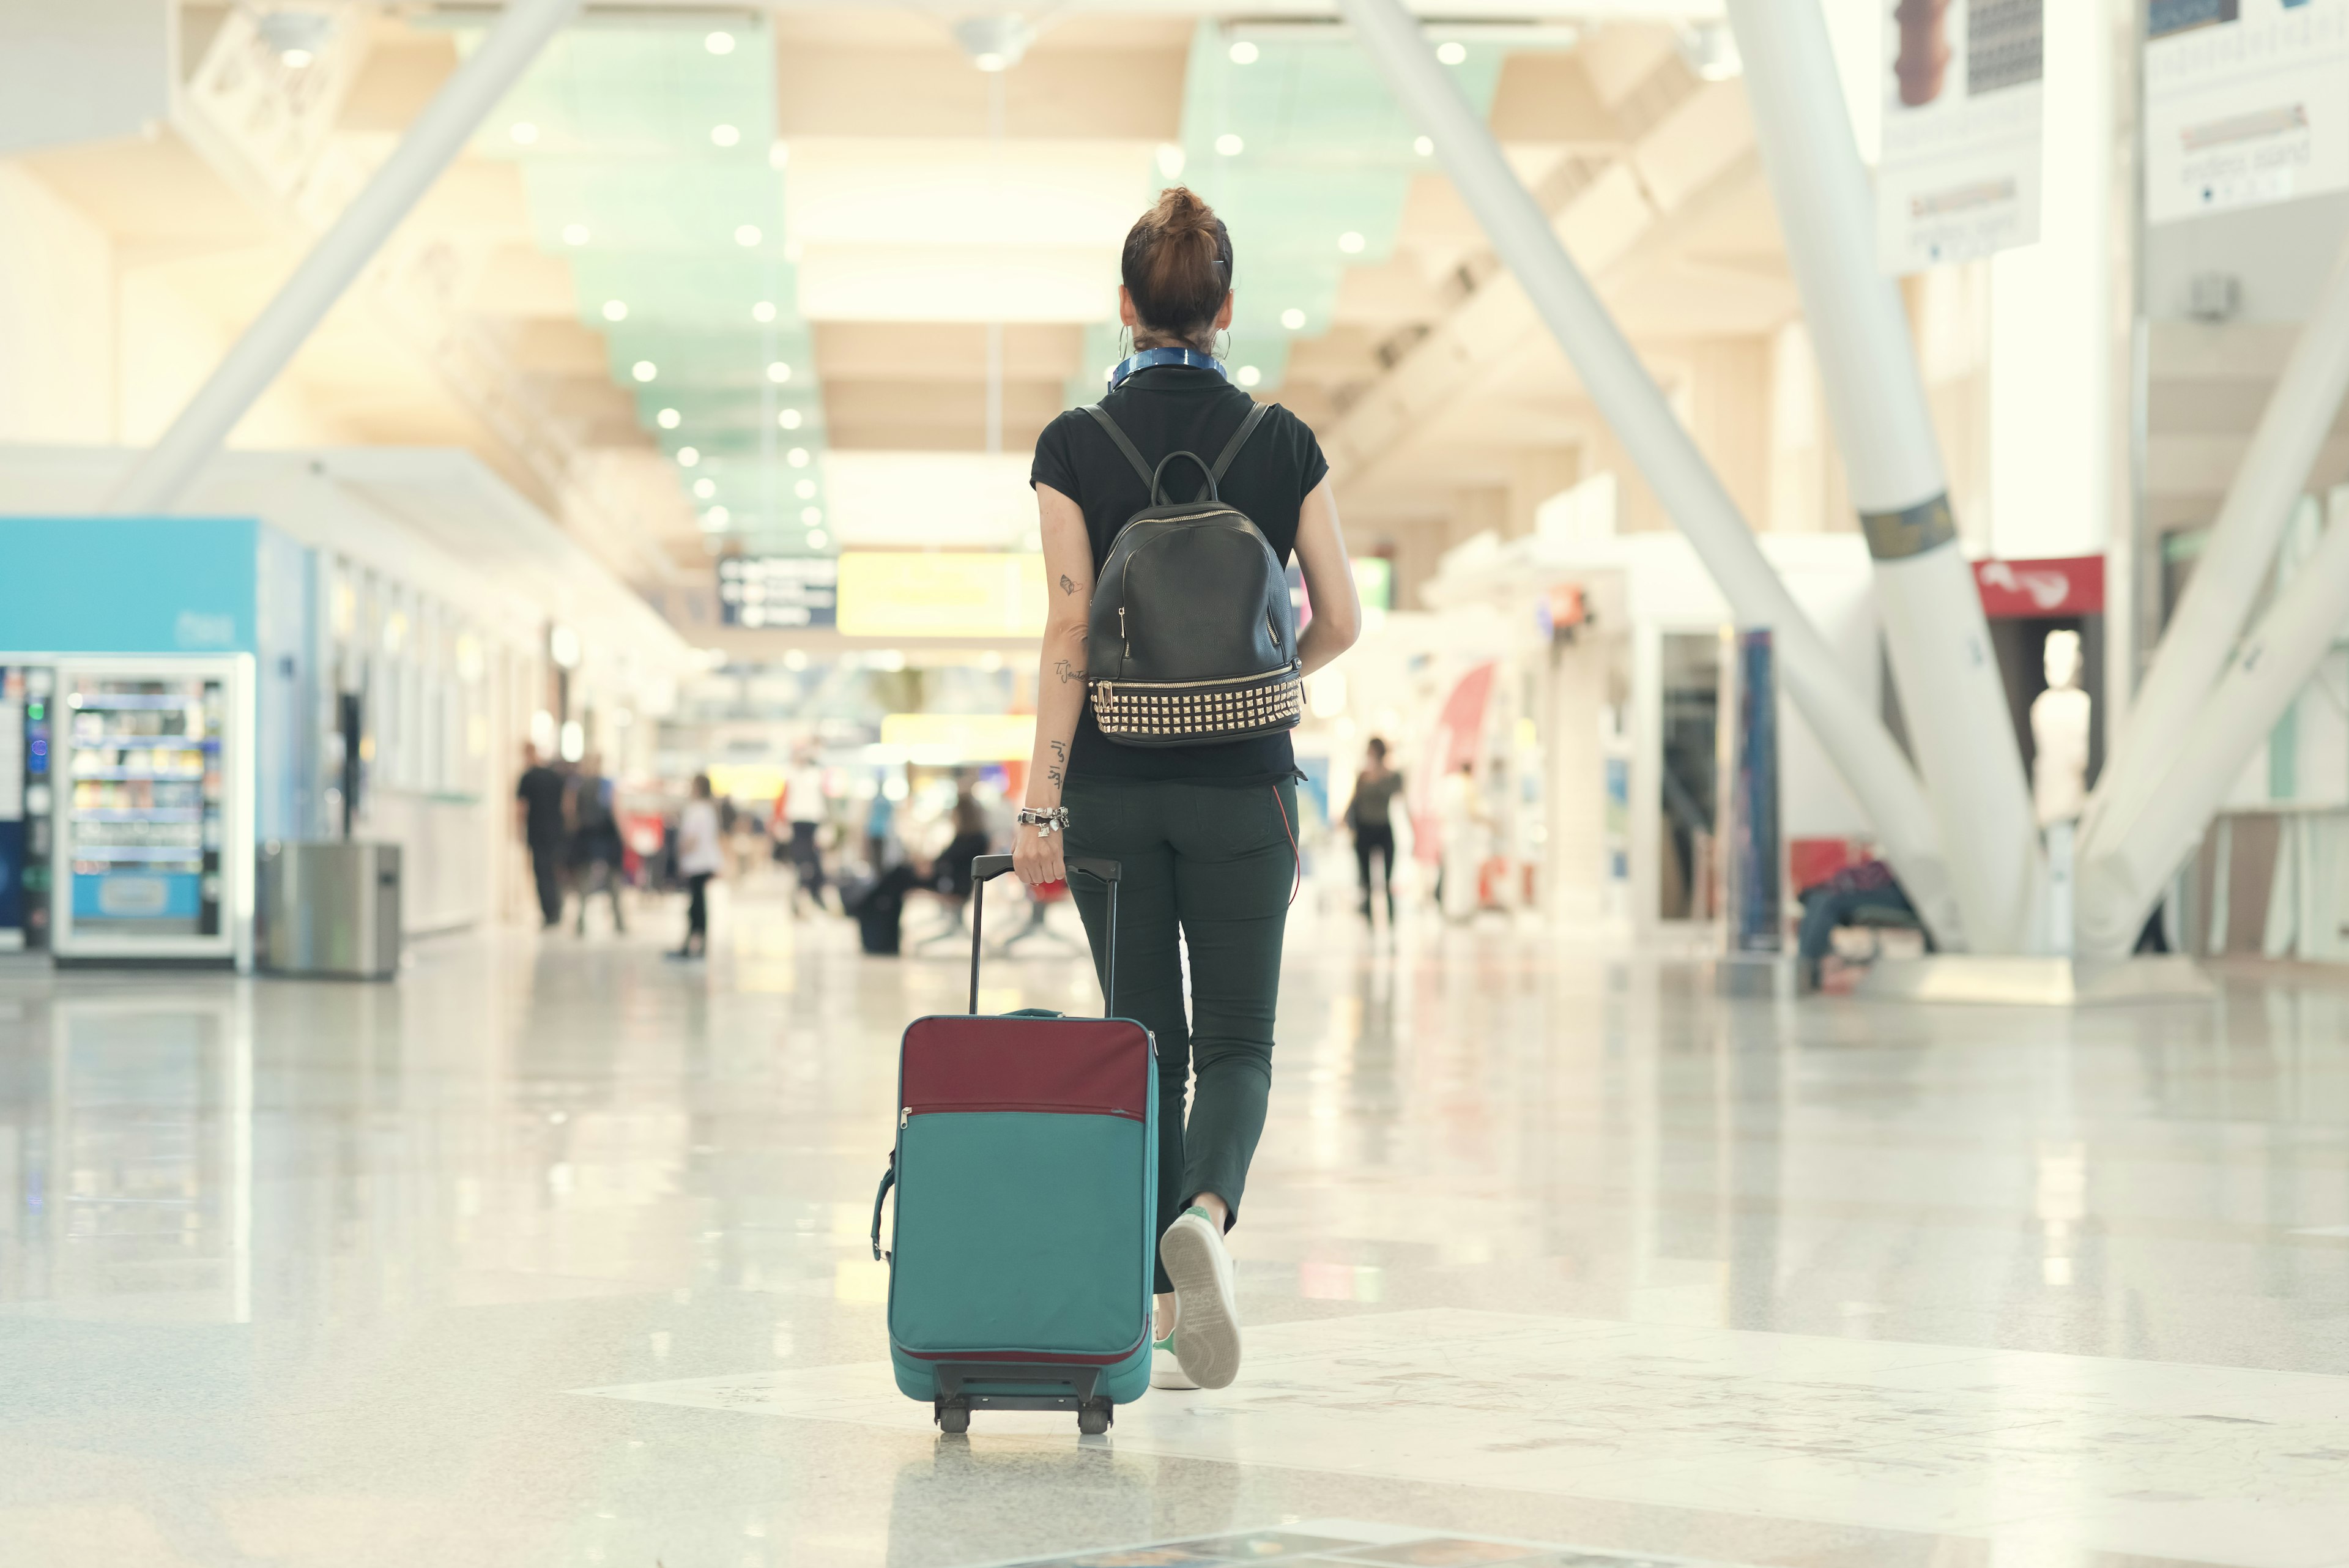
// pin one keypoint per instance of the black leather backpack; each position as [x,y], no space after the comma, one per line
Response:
[1192,639]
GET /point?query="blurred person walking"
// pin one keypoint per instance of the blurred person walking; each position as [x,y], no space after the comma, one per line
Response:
[539,818]
[596,849]
[880,821]
[701,853]
[1467,834]
[1205,832]
[1369,816]
[803,807]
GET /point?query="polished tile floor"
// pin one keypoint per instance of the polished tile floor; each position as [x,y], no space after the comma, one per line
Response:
[554,1254]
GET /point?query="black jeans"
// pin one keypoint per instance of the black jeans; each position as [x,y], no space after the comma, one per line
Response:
[697,913]
[1210,868]
[546,870]
[1375,838]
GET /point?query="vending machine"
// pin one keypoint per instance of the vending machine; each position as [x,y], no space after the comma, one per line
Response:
[151,786]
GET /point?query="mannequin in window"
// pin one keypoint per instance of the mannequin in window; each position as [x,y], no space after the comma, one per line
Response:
[2059,772]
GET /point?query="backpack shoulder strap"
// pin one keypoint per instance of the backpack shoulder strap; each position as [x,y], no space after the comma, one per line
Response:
[1132,454]
[1240,439]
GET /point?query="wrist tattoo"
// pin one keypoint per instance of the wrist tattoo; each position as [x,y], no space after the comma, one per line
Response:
[1053,775]
[1066,585]
[1067,671]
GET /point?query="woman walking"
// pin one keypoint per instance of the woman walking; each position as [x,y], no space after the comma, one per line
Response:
[1370,816]
[698,857]
[1206,833]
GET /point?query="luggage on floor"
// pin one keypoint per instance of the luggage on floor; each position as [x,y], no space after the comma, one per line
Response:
[878,908]
[1027,1175]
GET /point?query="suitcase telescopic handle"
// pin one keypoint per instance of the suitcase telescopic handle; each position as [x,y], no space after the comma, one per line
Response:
[985,868]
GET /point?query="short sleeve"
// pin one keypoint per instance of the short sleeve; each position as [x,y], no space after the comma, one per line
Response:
[1053,465]
[1310,464]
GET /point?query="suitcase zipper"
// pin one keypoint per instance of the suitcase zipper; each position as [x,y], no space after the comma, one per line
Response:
[907,1112]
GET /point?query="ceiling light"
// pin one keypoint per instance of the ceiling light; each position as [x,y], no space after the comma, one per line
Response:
[1249,376]
[1451,51]
[994,43]
[297,35]
[817,539]
[795,660]
[1422,145]
[523,132]
[718,43]
[1229,145]
[804,489]
[1293,319]
[716,517]
[1244,53]
[704,488]
[779,372]
[724,135]
[778,154]
[810,516]
[574,233]
[616,310]
[747,235]
[797,457]
[687,456]
[1351,243]
[789,419]
[1710,50]
[763,311]
[669,418]
[1170,160]
[644,369]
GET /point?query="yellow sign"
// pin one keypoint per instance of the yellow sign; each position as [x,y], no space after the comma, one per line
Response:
[910,594]
[943,739]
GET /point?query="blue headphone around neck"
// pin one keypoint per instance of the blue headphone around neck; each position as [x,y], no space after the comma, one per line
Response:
[1153,356]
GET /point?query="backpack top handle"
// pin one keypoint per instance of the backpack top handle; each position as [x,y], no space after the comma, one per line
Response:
[1158,482]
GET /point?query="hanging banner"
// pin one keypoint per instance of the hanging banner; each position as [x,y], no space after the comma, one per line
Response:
[1960,174]
[794,592]
[2246,102]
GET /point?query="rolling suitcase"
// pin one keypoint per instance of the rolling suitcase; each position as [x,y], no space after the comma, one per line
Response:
[1027,1176]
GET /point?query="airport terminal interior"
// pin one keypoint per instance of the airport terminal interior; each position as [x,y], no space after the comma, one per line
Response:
[1808,713]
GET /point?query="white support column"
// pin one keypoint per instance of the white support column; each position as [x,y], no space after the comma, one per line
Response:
[2118,888]
[156,481]
[1933,624]
[1668,460]
[2228,575]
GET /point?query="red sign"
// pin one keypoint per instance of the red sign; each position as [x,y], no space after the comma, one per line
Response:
[2031,590]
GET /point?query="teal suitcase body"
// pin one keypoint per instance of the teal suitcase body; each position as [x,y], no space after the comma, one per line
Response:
[1026,1169]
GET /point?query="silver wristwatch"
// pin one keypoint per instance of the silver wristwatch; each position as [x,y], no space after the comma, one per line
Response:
[1054,820]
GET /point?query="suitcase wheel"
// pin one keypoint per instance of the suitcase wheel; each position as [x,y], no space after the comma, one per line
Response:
[953,1414]
[1093,1417]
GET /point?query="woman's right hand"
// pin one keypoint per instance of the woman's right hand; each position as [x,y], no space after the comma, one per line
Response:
[1036,856]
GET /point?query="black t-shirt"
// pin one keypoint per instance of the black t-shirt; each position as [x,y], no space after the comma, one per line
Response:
[540,793]
[1177,408]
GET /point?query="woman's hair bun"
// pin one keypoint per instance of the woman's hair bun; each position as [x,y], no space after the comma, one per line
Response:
[1178,266]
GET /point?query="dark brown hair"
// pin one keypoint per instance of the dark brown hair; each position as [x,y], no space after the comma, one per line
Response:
[1179,267]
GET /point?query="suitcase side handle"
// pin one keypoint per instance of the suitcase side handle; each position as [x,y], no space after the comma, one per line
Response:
[889,1180]
[985,868]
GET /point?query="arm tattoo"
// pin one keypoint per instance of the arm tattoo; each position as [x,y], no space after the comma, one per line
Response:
[1067,671]
[1066,585]
[1060,751]
[1054,776]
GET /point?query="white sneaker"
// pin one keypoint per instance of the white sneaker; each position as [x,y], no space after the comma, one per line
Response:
[1166,1368]
[1207,1337]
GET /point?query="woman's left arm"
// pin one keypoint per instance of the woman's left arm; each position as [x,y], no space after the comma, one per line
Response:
[1059,677]
[1329,581]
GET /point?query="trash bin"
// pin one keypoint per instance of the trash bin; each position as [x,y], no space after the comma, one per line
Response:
[330,909]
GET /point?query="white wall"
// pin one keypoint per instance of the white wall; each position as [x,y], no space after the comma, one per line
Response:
[56,317]
[2279,255]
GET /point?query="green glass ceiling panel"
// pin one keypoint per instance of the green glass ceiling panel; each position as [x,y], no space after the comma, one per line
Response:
[645,156]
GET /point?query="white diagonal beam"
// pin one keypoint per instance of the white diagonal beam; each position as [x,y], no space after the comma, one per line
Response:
[2119,885]
[1934,627]
[162,472]
[1668,458]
